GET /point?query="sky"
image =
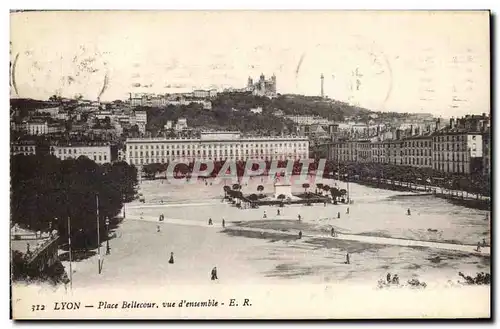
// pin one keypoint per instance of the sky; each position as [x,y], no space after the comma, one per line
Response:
[431,62]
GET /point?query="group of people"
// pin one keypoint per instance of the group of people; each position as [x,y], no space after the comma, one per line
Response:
[210,222]
[394,280]
[213,274]
[479,245]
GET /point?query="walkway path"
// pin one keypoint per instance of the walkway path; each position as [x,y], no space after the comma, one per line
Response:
[340,236]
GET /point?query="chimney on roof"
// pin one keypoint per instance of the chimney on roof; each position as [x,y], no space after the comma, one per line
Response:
[438,125]
[411,130]
[398,134]
[452,123]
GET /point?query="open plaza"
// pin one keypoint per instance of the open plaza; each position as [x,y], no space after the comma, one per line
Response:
[432,244]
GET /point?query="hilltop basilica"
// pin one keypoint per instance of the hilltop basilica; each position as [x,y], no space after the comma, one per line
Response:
[263,87]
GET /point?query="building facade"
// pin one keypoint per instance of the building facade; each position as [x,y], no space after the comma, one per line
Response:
[98,152]
[216,147]
[417,151]
[487,154]
[363,151]
[457,152]
[394,151]
[201,93]
[36,127]
[23,147]
[379,151]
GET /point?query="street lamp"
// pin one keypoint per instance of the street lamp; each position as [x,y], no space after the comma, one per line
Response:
[107,234]
[124,206]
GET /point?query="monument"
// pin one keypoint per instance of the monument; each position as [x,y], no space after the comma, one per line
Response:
[284,188]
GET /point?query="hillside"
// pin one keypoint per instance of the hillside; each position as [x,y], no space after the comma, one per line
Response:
[231,111]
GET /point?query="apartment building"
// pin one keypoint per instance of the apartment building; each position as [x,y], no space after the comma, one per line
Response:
[100,152]
[417,151]
[215,146]
[23,147]
[457,152]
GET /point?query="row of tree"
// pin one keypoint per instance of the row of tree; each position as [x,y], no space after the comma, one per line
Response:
[475,183]
[153,169]
[355,171]
[46,191]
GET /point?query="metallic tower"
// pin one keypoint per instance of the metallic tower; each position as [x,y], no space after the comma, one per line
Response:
[322,85]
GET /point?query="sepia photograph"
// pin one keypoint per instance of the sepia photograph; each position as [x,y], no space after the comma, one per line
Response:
[250,164]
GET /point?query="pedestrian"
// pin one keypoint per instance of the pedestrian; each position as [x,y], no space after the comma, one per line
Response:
[338,214]
[223,223]
[278,212]
[157,228]
[210,221]
[171,260]
[347,212]
[299,217]
[265,215]
[478,249]
[388,277]
[324,203]
[214,274]
[484,243]
[300,234]
[395,279]
[408,212]
[347,259]
[333,232]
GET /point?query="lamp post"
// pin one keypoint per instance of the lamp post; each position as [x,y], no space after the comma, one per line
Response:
[70,256]
[107,235]
[98,236]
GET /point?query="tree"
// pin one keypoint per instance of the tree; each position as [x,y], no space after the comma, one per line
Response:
[282,198]
[44,188]
[54,98]
[253,197]
[335,194]
[260,188]
[239,196]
